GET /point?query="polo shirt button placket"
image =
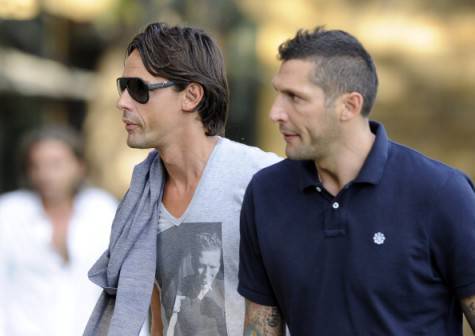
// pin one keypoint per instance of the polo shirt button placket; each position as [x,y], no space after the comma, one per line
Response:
[335,205]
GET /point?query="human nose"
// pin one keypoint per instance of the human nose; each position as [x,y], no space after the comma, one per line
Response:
[209,272]
[277,111]
[124,101]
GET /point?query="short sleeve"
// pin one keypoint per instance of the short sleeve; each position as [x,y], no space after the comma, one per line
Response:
[254,283]
[453,234]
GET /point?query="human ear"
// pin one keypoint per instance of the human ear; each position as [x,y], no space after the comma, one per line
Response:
[352,104]
[193,94]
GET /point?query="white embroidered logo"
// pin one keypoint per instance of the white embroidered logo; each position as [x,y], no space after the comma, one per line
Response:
[379,238]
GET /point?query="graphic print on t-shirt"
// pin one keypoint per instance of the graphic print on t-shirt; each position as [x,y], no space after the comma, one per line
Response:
[191,279]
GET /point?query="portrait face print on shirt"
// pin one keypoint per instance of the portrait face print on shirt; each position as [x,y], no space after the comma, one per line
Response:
[191,279]
[206,261]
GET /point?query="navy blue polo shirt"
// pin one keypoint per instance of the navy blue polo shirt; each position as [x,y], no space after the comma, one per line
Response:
[392,254]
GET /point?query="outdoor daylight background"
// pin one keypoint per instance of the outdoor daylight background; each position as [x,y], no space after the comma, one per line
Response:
[59,60]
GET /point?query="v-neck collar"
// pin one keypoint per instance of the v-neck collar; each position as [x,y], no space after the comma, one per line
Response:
[208,167]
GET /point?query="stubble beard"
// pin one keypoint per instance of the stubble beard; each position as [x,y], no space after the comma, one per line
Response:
[300,155]
[318,148]
[299,152]
[135,143]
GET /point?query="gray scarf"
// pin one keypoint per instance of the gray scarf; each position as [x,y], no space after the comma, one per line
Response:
[126,271]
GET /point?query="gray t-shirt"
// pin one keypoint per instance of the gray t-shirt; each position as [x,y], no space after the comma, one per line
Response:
[198,253]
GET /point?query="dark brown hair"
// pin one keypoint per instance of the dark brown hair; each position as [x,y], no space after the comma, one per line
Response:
[185,55]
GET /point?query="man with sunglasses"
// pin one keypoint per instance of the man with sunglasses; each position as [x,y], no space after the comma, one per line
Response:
[174,99]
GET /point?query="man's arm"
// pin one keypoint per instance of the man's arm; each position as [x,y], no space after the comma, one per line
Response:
[468,307]
[262,320]
[157,326]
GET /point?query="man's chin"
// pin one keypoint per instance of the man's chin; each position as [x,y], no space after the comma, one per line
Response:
[294,154]
[132,145]
[135,144]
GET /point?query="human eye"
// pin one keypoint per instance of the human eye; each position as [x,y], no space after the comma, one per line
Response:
[294,97]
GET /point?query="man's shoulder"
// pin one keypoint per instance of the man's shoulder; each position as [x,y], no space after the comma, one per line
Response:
[19,206]
[420,165]
[281,168]
[18,198]
[427,174]
[92,202]
[96,196]
[245,156]
[283,173]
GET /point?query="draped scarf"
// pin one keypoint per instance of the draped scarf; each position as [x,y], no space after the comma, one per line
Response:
[126,270]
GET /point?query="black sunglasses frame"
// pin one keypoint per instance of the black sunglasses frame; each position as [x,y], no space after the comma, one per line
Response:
[140,91]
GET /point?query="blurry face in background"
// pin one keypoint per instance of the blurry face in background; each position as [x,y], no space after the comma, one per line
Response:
[53,170]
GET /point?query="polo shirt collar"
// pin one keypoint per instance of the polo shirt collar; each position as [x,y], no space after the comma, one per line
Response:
[308,174]
[373,167]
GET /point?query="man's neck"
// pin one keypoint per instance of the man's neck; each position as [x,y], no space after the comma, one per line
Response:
[184,163]
[59,212]
[57,205]
[346,159]
[185,160]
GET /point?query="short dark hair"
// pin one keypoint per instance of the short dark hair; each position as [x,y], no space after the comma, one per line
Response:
[343,65]
[184,55]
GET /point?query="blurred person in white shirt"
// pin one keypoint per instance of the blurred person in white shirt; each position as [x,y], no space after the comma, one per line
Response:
[50,234]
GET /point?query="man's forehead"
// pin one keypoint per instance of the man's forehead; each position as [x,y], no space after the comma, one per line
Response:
[295,71]
[50,146]
[134,62]
[134,67]
[301,65]
[133,59]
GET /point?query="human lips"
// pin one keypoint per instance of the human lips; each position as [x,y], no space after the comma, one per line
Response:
[129,125]
[289,136]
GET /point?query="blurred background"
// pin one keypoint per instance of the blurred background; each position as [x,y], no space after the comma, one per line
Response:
[59,60]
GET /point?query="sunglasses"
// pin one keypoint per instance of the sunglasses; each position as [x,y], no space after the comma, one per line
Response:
[138,89]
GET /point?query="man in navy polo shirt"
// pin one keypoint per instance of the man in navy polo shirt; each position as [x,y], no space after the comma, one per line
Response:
[353,234]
